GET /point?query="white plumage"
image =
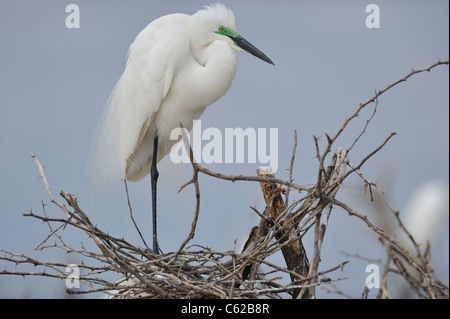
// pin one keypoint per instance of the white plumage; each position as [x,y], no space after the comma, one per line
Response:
[176,67]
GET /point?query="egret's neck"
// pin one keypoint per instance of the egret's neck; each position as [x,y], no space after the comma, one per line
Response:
[218,64]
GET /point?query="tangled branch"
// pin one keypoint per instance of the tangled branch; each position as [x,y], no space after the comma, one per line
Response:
[195,271]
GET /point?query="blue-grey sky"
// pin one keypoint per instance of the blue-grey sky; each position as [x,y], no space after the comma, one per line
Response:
[55,81]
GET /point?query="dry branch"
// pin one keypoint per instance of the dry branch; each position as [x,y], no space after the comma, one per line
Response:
[195,271]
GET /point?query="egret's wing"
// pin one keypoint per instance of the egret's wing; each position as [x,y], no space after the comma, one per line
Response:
[152,61]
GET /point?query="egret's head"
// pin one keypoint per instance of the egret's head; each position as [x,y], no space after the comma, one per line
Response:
[241,44]
[219,23]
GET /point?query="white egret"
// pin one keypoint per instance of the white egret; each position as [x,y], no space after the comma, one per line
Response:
[177,66]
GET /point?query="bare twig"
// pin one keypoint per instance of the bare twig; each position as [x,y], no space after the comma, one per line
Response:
[131,214]
[199,272]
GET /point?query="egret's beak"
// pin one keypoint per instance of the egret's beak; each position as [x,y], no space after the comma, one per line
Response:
[247,46]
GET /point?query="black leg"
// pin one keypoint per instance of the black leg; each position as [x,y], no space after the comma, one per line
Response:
[154,175]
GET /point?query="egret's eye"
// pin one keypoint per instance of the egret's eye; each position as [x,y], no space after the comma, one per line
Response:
[221,28]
